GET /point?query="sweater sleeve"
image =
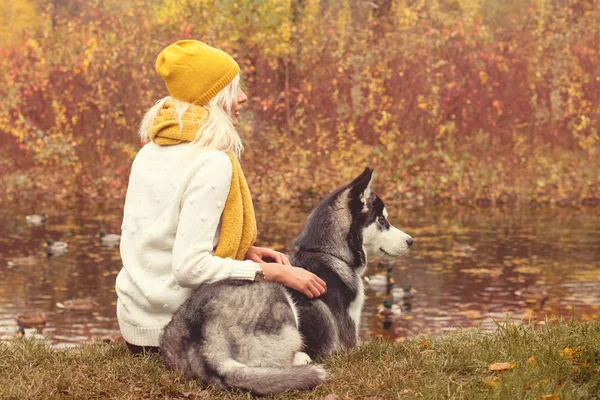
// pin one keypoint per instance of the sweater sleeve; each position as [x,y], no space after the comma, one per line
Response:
[201,208]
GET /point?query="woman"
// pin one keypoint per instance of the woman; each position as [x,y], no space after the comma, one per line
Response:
[188,214]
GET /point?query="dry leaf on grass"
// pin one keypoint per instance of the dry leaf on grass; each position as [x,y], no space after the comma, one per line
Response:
[531,361]
[492,383]
[501,366]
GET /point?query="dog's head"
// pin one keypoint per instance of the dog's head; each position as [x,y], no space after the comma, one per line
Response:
[351,224]
[379,237]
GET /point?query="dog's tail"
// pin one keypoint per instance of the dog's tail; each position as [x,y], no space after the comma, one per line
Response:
[263,380]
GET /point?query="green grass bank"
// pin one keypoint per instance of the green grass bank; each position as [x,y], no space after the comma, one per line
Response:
[548,361]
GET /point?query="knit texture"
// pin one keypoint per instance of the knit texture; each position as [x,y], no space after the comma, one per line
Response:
[171,229]
[238,222]
[167,129]
[194,71]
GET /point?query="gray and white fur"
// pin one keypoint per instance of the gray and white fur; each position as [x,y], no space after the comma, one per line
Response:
[262,336]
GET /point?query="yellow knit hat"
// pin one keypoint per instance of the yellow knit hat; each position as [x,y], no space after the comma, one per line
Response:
[195,72]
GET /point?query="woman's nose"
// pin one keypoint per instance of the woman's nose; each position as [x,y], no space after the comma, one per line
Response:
[241,97]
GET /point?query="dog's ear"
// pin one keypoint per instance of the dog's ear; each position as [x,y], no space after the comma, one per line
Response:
[360,188]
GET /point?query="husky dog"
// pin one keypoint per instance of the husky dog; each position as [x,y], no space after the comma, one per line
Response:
[262,336]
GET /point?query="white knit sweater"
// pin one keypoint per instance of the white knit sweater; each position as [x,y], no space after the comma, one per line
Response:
[170,229]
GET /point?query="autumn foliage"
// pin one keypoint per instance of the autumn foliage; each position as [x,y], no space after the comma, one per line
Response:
[478,102]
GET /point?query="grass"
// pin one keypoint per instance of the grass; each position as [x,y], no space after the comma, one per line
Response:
[565,365]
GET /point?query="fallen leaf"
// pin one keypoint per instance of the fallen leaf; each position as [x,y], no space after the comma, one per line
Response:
[164,381]
[550,397]
[483,271]
[528,270]
[531,361]
[473,314]
[501,366]
[492,383]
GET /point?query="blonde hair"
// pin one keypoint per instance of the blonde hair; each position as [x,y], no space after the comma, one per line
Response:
[217,132]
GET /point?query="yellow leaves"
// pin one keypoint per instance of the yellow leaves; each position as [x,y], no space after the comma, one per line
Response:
[492,383]
[498,367]
[590,141]
[501,366]
[473,314]
[571,354]
[490,272]
[285,31]
[129,150]
[528,270]
[422,102]
[531,361]
[483,77]
[17,17]
[550,397]
[385,117]
[407,16]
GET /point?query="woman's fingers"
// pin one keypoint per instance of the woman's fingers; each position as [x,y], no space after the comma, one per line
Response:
[262,254]
[321,282]
[280,258]
[255,257]
[314,290]
[321,288]
[301,280]
[320,285]
[317,289]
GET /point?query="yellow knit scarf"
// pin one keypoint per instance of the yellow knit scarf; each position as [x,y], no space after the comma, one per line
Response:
[238,223]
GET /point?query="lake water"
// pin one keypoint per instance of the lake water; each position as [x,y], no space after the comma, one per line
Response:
[467,267]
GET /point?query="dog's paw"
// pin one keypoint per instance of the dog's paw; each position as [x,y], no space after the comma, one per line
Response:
[301,358]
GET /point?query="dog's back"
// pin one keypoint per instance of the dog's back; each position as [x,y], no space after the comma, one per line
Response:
[239,334]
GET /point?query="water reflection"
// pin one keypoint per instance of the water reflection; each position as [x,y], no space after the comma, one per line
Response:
[466,268]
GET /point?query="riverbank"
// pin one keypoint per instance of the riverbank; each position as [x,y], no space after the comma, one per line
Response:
[571,181]
[524,361]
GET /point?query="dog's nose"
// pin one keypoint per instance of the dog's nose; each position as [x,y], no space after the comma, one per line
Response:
[409,241]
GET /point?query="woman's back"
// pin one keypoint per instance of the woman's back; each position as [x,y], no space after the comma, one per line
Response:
[171,217]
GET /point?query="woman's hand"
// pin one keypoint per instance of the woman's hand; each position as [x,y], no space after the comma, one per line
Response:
[295,278]
[262,254]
